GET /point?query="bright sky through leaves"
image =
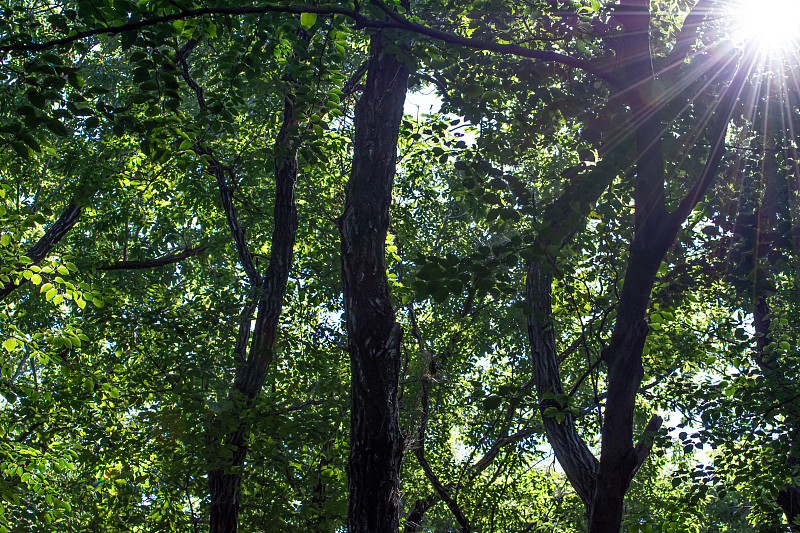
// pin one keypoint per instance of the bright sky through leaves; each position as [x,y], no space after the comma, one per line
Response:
[771,24]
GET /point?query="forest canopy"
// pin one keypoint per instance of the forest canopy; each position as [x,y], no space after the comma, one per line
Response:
[245,286]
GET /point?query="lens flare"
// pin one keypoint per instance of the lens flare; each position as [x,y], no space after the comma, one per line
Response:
[772,25]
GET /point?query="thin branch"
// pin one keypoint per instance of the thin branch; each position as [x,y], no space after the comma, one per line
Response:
[218,170]
[155,263]
[419,452]
[430,79]
[180,61]
[395,21]
[492,453]
[296,407]
[511,49]
[646,441]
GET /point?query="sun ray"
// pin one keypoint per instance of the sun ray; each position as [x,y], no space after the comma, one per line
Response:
[770,25]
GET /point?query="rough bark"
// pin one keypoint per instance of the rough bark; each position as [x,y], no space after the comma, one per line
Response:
[573,455]
[224,480]
[374,337]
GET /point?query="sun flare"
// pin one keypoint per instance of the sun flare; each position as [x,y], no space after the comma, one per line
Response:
[768,24]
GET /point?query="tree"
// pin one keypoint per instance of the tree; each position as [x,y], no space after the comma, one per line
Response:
[180,150]
[374,338]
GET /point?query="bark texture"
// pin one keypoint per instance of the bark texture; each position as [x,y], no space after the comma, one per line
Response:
[374,337]
[572,453]
[225,480]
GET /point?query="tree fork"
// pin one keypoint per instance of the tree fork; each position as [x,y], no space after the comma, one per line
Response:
[225,480]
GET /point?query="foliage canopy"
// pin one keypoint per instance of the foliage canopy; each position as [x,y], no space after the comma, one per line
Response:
[242,288]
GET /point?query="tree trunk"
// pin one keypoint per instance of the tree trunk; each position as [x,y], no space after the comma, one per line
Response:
[374,338]
[619,460]
[225,480]
[789,501]
[573,455]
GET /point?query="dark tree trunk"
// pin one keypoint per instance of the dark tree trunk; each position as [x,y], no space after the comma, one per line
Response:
[789,501]
[374,337]
[225,480]
[603,486]
[655,231]
[619,459]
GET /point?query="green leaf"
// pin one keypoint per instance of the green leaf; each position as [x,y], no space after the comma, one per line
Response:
[492,402]
[308,19]
[21,149]
[9,344]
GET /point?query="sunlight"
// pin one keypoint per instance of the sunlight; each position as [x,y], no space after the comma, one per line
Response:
[770,24]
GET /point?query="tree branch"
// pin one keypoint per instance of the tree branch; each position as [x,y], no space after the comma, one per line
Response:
[492,452]
[688,33]
[155,263]
[180,61]
[646,441]
[395,21]
[419,452]
[414,518]
[512,49]
[296,407]
[69,217]
[218,170]
[726,109]
[574,456]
